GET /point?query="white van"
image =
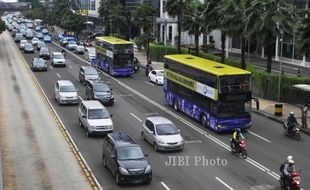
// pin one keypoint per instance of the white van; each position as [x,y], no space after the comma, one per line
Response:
[94,118]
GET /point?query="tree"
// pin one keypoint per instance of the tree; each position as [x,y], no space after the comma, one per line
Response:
[176,8]
[193,21]
[213,21]
[303,34]
[233,20]
[2,26]
[143,16]
[268,19]
[72,22]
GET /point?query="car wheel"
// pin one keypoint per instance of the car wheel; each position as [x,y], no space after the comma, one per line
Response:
[117,179]
[55,97]
[156,82]
[80,123]
[155,147]
[88,133]
[142,136]
[175,105]
[104,161]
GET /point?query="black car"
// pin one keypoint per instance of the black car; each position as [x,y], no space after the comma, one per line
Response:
[99,90]
[38,64]
[44,53]
[125,159]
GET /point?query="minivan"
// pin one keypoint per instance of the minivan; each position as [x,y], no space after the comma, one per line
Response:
[94,118]
[88,73]
[125,159]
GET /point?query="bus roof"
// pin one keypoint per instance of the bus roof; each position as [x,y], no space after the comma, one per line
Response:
[113,40]
[206,65]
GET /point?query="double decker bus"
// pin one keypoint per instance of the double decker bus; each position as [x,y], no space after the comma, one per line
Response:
[114,56]
[217,95]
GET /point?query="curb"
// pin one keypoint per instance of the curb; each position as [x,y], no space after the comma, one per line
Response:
[269,116]
[90,177]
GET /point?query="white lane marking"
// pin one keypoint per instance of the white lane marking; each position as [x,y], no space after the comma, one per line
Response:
[149,83]
[259,136]
[165,186]
[150,114]
[125,95]
[136,117]
[70,66]
[222,182]
[58,75]
[51,67]
[194,127]
[192,141]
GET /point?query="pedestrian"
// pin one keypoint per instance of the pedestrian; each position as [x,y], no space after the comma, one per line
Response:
[304,114]
[148,68]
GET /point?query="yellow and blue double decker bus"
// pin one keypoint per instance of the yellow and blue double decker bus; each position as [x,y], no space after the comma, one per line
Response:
[114,56]
[217,95]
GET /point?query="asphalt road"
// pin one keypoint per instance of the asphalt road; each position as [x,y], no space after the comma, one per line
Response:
[136,99]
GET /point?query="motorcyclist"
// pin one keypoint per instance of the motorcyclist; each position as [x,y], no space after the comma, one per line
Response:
[235,139]
[288,170]
[63,52]
[289,157]
[291,122]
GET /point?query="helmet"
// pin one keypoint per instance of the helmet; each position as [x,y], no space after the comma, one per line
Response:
[289,157]
[291,162]
[238,130]
[291,113]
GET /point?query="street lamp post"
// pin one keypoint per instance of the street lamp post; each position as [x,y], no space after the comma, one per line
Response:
[280,70]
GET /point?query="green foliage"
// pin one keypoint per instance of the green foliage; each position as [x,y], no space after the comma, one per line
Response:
[143,17]
[303,34]
[2,26]
[264,84]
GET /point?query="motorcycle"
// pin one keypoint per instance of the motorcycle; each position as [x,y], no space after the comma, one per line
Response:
[295,183]
[295,132]
[242,151]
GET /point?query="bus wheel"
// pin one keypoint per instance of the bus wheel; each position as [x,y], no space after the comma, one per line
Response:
[203,120]
[176,105]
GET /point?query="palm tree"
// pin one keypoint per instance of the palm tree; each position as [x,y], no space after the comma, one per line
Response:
[176,8]
[212,21]
[268,19]
[303,34]
[193,21]
[233,19]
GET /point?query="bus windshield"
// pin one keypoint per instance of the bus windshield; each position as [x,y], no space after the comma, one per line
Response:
[235,84]
[123,48]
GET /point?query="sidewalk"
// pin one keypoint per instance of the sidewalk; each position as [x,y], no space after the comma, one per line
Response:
[36,150]
[266,107]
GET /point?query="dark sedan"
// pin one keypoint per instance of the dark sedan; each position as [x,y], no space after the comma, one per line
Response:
[44,53]
[38,64]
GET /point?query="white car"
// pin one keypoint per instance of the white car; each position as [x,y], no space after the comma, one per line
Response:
[90,53]
[58,59]
[34,41]
[162,134]
[22,44]
[157,76]
[65,92]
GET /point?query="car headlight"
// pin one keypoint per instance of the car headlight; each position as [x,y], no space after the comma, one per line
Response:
[109,126]
[148,169]
[112,96]
[220,126]
[96,97]
[160,141]
[123,171]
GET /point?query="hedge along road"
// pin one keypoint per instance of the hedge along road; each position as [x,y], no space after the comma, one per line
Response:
[238,174]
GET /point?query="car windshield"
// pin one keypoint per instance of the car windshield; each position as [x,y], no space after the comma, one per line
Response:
[71,42]
[160,73]
[166,129]
[91,71]
[39,62]
[98,114]
[92,50]
[28,46]
[47,37]
[44,50]
[67,88]
[129,153]
[101,88]
[58,56]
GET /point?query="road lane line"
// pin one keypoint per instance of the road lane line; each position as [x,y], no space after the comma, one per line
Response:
[70,66]
[259,136]
[136,117]
[192,141]
[149,83]
[225,184]
[58,75]
[51,67]
[194,127]
[125,95]
[165,186]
